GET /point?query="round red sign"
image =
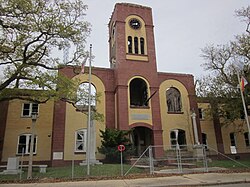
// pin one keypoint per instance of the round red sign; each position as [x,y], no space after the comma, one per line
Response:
[121,148]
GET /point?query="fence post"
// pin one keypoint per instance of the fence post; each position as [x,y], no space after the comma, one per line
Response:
[178,157]
[72,169]
[204,158]
[151,162]
[121,165]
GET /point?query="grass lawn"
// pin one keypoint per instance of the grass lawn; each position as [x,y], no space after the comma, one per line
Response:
[243,164]
[104,170]
[107,170]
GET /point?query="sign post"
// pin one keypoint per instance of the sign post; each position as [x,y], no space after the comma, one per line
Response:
[121,148]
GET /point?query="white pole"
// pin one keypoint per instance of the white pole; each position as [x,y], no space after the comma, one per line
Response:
[121,165]
[89,113]
[244,106]
[151,162]
[195,129]
[21,169]
[33,117]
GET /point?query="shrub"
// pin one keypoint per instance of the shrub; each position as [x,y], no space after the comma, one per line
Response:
[111,139]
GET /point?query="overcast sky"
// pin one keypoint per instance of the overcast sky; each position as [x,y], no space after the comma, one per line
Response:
[181,28]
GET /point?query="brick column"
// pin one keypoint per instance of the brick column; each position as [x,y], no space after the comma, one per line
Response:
[157,126]
[158,150]
[4,105]
[58,133]
[110,109]
[122,107]
[217,127]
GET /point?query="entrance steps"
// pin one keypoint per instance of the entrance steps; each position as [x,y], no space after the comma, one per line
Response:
[172,159]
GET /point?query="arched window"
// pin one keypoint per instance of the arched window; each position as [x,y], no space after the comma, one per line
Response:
[178,138]
[173,96]
[130,44]
[138,92]
[136,45]
[83,96]
[142,46]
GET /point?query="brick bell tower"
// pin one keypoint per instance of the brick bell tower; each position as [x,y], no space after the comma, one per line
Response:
[132,56]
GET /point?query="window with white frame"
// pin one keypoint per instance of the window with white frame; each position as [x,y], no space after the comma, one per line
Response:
[204,139]
[232,139]
[201,113]
[178,138]
[80,140]
[29,108]
[24,144]
[246,139]
[173,139]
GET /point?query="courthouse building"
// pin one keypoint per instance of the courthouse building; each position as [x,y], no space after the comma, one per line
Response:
[132,95]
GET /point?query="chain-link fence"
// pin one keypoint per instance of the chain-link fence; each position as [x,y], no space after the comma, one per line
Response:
[175,159]
[138,161]
[185,159]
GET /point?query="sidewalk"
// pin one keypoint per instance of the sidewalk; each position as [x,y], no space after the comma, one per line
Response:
[204,179]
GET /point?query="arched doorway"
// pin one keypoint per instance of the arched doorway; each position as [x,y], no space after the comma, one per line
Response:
[142,138]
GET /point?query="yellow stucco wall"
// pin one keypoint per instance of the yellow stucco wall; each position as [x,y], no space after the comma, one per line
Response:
[77,120]
[239,127]
[239,133]
[175,121]
[207,127]
[17,125]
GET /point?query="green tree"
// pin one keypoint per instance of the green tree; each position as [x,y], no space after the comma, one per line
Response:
[33,36]
[221,85]
[111,138]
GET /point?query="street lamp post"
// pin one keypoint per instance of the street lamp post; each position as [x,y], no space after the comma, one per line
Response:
[33,118]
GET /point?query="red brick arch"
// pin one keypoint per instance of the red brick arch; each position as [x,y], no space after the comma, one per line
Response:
[141,124]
